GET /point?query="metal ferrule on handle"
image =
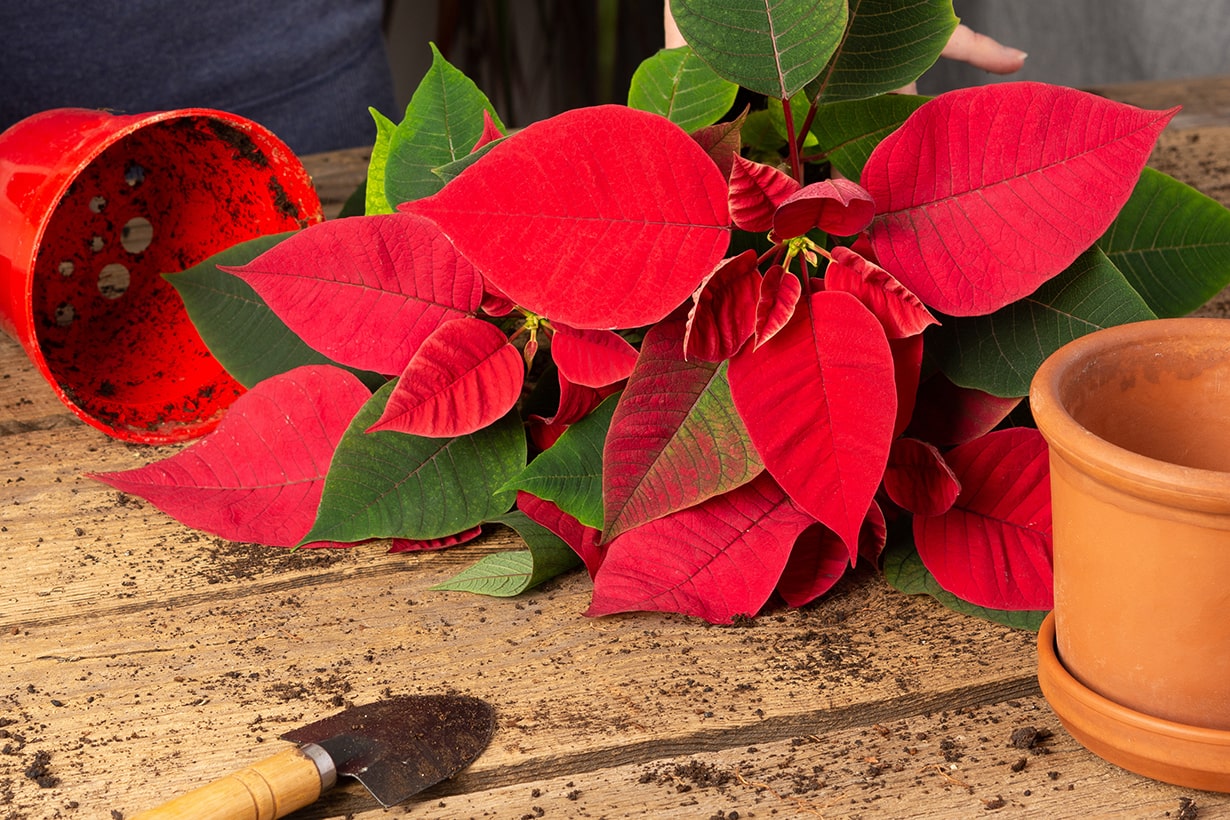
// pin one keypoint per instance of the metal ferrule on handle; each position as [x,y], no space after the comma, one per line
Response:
[271,788]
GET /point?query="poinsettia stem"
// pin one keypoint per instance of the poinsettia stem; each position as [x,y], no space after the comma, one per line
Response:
[796,167]
[807,121]
[774,253]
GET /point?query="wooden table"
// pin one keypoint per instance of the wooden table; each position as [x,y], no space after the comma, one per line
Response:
[139,659]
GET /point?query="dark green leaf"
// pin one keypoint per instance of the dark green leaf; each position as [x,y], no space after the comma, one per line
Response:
[905,572]
[393,485]
[570,472]
[356,203]
[509,573]
[847,132]
[452,170]
[999,353]
[239,329]
[442,124]
[888,45]
[1172,243]
[678,85]
[770,48]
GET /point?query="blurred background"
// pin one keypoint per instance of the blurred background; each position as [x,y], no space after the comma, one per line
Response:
[532,58]
[309,69]
[535,58]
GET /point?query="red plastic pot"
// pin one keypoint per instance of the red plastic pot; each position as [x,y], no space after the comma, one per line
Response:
[94,208]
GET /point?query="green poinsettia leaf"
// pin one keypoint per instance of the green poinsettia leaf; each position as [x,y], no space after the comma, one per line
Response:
[888,44]
[773,49]
[511,572]
[999,353]
[904,571]
[680,86]
[356,203]
[394,485]
[375,201]
[242,333]
[442,124]
[450,171]
[847,132]
[570,472]
[761,134]
[1172,243]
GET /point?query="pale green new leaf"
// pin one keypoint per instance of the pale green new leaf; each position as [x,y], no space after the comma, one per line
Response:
[508,573]
[678,85]
[771,48]
[443,122]
[847,132]
[904,571]
[375,200]
[394,485]
[888,45]
[1000,352]
[1172,243]
[570,472]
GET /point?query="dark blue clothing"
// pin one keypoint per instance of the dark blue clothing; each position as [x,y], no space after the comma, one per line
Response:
[305,69]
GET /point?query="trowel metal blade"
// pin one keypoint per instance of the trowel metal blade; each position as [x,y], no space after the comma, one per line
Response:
[402,745]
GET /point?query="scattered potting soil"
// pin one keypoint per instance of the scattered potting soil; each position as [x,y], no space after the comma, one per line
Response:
[1031,738]
[1187,809]
[39,770]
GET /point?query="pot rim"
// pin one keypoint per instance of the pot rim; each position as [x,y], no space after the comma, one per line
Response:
[98,130]
[1196,488]
[54,148]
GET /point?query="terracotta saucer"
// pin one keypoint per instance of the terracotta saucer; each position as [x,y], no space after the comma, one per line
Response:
[1159,749]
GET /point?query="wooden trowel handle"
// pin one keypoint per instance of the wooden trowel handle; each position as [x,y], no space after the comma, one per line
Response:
[272,788]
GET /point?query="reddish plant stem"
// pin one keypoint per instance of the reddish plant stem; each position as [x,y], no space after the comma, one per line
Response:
[774,252]
[807,121]
[796,167]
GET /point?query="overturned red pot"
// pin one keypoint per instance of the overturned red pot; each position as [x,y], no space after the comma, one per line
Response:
[94,208]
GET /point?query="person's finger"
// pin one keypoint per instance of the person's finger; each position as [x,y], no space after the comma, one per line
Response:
[981,51]
[673,38]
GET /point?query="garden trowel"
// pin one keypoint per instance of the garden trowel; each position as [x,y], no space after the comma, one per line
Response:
[395,747]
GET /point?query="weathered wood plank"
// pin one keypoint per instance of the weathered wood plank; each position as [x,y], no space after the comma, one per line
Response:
[959,763]
[26,400]
[175,680]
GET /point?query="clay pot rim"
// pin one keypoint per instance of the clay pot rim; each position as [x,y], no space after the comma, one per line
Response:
[1110,463]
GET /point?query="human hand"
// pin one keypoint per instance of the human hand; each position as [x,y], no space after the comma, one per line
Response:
[980,51]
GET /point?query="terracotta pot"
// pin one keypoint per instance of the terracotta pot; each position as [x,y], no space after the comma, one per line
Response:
[94,208]
[1135,658]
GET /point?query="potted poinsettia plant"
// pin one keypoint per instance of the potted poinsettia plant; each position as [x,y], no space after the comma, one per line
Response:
[713,355]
